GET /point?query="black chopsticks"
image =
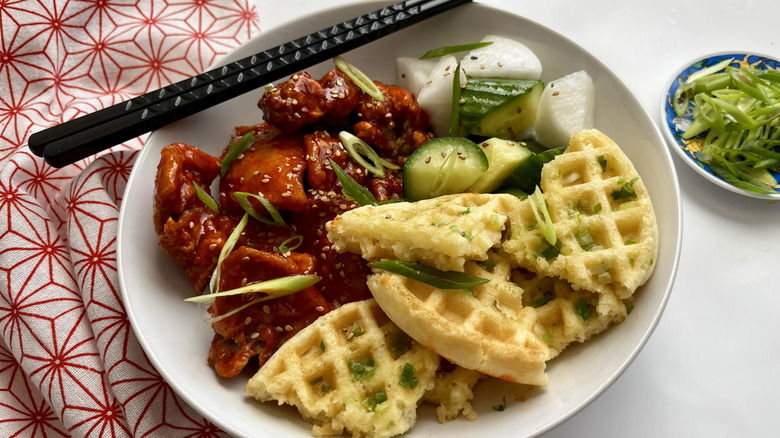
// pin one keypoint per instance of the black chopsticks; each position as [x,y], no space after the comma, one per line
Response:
[82,137]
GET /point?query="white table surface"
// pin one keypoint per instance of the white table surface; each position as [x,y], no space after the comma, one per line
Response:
[712,366]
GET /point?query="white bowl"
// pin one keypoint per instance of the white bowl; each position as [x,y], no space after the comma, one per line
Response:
[176,340]
[674,126]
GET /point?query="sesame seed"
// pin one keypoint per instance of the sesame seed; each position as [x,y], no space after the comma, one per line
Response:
[213,246]
[482,66]
[319,309]
[552,84]
[389,216]
[254,335]
[279,329]
[474,57]
[248,320]
[286,194]
[324,256]
[256,172]
[447,68]
[245,259]
[338,266]
[443,154]
[192,224]
[462,157]
[389,115]
[321,214]
[288,328]
[240,157]
[500,64]
[462,101]
[326,248]
[243,281]
[296,115]
[295,77]
[295,102]
[265,180]
[266,309]
[555,93]
[342,274]
[427,160]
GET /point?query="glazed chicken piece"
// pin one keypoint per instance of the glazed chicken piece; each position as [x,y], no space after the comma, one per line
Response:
[188,230]
[302,100]
[260,328]
[396,124]
[273,166]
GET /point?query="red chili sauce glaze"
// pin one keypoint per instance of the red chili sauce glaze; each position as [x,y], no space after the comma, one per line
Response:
[288,164]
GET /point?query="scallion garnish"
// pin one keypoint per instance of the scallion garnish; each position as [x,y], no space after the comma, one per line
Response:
[275,288]
[448,50]
[539,204]
[455,111]
[358,78]
[583,308]
[236,148]
[352,189]
[360,151]
[205,197]
[407,379]
[501,407]
[243,201]
[626,190]
[226,248]
[731,107]
[363,368]
[297,240]
[429,275]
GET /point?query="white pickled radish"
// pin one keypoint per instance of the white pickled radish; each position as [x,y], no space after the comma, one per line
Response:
[505,58]
[413,73]
[566,106]
[435,97]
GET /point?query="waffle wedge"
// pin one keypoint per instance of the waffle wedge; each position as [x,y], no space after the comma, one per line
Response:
[443,232]
[487,330]
[602,216]
[352,371]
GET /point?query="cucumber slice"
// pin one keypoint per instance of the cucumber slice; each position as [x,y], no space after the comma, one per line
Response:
[502,108]
[503,157]
[528,174]
[443,166]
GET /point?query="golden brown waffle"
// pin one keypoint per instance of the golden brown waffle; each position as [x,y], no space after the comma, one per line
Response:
[452,393]
[489,331]
[443,232]
[563,315]
[593,192]
[326,372]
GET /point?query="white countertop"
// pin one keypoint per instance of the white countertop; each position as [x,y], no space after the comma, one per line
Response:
[712,366]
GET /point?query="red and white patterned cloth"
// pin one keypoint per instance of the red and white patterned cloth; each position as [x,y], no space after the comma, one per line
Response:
[70,364]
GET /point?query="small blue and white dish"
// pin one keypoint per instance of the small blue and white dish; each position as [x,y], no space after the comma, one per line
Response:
[674,126]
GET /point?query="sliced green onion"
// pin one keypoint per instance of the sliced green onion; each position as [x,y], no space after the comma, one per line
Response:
[709,70]
[226,249]
[360,150]
[358,78]
[407,379]
[278,287]
[429,275]
[363,368]
[235,149]
[539,203]
[243,201]
[205,197]
[455,116]
[583,308]
[352,189]
[298,239]
[626,190]
[448,50]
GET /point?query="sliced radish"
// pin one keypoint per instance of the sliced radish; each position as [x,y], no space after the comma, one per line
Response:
[505,58]
[566,106]
[435,97]
[413,73]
